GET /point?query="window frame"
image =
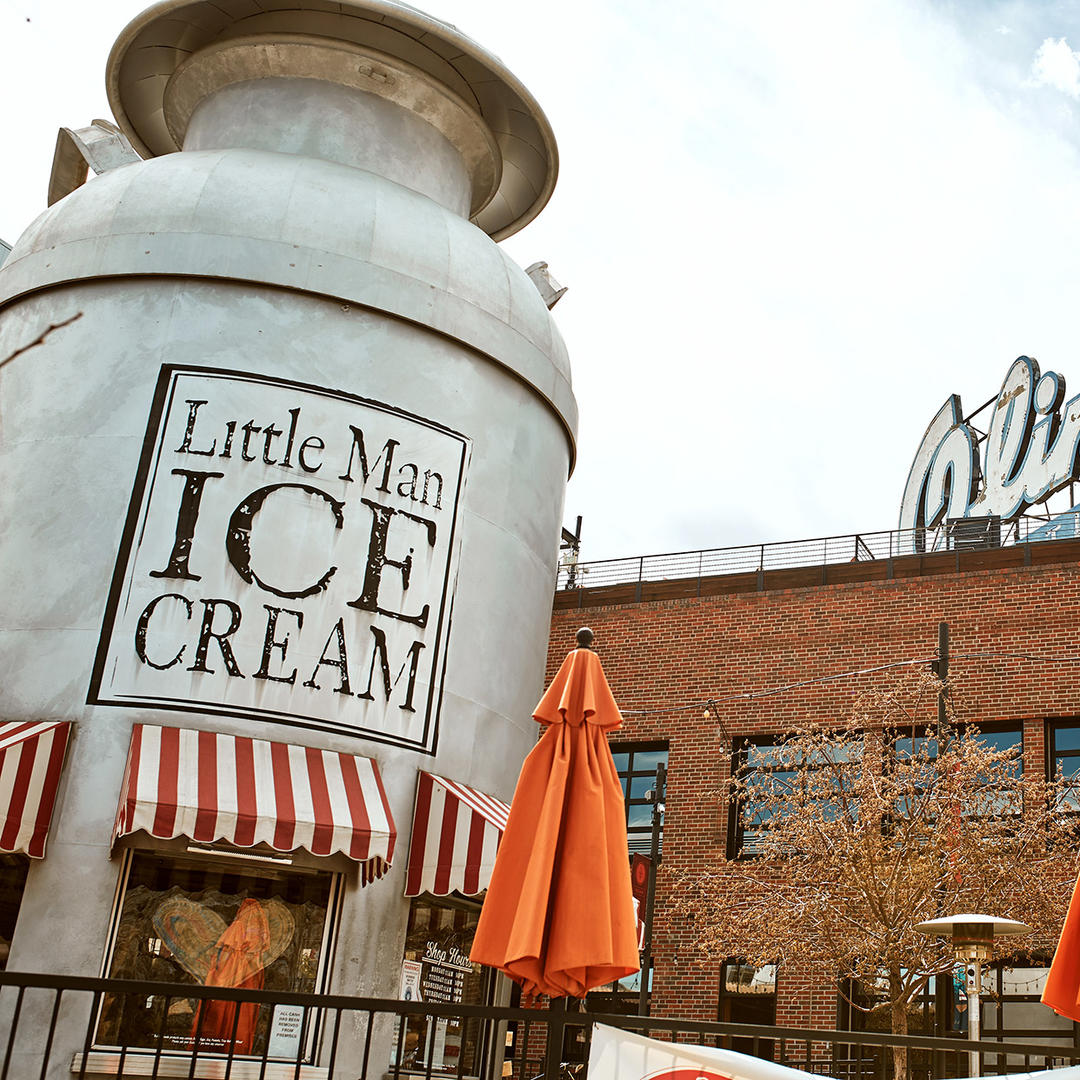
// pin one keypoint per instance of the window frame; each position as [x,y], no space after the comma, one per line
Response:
[736,830]
[1051,727]
[487,1030]
[222,857]
[989,727]
[995,1001]
[766,1049]
[651,746]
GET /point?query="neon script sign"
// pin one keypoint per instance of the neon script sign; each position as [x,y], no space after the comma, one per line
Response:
[1031,451]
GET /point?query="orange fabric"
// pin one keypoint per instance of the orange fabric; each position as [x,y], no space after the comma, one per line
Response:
[559,913]
[1062,990]
[238,964]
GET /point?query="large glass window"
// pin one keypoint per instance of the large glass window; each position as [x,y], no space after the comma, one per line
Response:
[1004,736]
[13,870]
[197,921]
[756,758]
[636,765]
[1063,755]
[436,969]
[864,1006]
[1012,1011]
[748,996]
[768,772]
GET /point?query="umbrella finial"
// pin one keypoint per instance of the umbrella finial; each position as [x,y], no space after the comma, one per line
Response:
[585,638]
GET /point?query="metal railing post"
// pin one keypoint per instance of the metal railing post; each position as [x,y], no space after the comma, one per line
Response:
[556,1028]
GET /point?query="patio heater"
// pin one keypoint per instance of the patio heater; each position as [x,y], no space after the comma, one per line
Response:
[973,944]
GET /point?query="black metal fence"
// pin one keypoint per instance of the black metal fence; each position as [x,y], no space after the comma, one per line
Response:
[962,534]
[50,1024]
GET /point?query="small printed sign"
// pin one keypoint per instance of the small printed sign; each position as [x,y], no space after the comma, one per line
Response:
[286,1028]
[289,555]
[410,980]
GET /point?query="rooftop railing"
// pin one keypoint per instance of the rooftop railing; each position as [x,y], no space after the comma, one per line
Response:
[956,534]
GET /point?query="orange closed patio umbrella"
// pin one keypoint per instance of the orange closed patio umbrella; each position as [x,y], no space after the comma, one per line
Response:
[559,913]
[1062,989]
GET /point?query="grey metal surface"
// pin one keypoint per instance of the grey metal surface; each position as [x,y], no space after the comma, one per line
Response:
[303,224]
[155,44]
[100,146]
[275,250]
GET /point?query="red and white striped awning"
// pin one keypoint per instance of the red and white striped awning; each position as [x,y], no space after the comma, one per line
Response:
[208,786]
[31,759]
[456,832]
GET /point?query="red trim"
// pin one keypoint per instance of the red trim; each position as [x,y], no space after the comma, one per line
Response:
[206,816]
[247,808]
[418,844]
[36,847]
[268,783]
[384,864]
[131,779]
[322,837]
[360,847]
[454,868]
[34,752]
[168,780]
[27,751]
[477,828]
[447,836]
[285,828]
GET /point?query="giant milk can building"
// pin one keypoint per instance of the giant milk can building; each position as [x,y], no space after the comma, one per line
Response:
[295,431]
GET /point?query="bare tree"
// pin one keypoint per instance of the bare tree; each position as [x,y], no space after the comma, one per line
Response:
[861,832]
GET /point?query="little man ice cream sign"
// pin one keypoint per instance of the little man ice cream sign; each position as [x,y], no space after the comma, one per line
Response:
[289,554]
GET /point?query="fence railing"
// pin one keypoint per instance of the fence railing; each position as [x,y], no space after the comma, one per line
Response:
[50,1027]
[967,534]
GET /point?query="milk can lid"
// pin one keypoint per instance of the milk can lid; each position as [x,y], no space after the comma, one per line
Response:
[157,42]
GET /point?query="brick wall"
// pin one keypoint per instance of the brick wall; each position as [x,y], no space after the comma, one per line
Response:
[667,655]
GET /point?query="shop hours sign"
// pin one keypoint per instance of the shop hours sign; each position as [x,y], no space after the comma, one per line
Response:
[289,555]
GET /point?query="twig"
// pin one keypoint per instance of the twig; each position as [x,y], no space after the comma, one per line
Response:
[41,339]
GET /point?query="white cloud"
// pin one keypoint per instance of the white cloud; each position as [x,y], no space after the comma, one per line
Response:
[1056,65]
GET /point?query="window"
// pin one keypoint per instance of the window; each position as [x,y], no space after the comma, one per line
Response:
[13,870]
[757,758]
[636,765]
[865,1007]
[190,921]
[436,969]
[770,771]
[747,996]
[1012,1011]
[1001,737]
[1063,753]
[995,736]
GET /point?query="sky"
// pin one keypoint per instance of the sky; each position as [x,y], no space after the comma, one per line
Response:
[789,231]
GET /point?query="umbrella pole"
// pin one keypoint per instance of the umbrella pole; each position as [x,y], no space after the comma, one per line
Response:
[555,1035]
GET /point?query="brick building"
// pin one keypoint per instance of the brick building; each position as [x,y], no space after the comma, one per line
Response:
[668,645]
